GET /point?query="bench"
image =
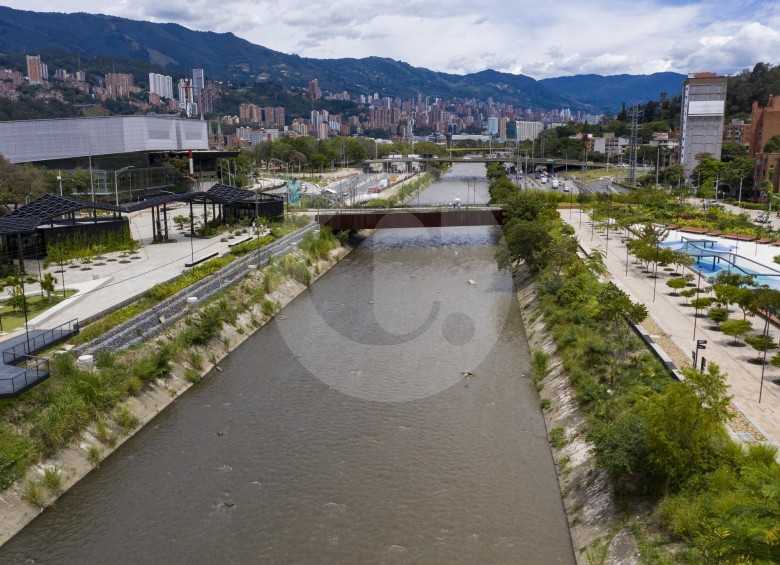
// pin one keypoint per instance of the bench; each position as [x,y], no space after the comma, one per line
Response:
[240,241]
[201,259]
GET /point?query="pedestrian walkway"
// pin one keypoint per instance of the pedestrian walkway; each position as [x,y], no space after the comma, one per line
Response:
[681,329]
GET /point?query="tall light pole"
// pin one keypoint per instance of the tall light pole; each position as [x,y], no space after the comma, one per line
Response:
[59,179]
[116,181]
[740,193]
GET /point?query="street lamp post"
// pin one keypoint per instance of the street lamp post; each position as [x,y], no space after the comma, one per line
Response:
[740,192]
[59,179]
[116,182]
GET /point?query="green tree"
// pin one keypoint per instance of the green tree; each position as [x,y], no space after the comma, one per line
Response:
[616,308]
[701,303]
[772,145]
[684,424]
[677,284]
[18,298]
[718,315]
[760,343]
[687,294]
[731,150]
[736,329]
[525,241]
[47,285]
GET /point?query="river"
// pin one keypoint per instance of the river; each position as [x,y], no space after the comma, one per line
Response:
[384,416]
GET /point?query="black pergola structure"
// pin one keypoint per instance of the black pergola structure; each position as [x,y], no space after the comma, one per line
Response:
[29,228]
[229,204]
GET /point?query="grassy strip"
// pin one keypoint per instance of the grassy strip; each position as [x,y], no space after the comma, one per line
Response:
[50,415]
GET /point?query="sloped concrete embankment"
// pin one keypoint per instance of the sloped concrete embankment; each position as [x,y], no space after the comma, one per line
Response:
[594,519]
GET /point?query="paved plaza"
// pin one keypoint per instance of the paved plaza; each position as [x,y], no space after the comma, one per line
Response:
[107,283]
[672,323]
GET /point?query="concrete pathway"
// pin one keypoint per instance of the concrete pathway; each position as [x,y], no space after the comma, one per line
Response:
[671,317]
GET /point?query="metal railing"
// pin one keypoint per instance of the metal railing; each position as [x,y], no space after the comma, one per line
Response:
[433,207]
[35,370]
[40,341]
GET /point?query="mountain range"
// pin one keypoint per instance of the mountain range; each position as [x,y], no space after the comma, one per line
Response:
[224,56]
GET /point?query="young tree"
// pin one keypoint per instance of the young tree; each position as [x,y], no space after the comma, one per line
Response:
[676,284]
[616,308]
[701,303]
[718,315]
[760,343]
[688,293]
[684,424]
[736,328]
[47,285]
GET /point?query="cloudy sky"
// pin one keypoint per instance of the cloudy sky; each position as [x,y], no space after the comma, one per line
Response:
[539,39]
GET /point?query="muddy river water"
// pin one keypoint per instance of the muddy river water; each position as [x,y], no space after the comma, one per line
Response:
[384,416]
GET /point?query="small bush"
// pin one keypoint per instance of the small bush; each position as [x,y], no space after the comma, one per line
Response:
[103,434]
[126,419]
[154,366]
[52,480]
[270,307]
[540,361]
[195,360]
[557,438]
[192,375]
[545,404]
[132,385]
[94,455]
[208,325]
[32,494]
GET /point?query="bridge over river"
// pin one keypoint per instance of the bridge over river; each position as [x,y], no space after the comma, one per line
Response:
[411,217]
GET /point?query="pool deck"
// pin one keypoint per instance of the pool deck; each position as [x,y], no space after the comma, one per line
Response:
[674,322]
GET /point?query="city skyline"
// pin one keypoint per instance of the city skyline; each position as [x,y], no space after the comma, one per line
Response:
[459,37]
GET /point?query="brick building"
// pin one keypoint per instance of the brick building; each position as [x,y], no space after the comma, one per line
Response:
[765,124]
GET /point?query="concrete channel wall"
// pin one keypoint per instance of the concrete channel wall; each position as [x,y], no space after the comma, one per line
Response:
[150,323]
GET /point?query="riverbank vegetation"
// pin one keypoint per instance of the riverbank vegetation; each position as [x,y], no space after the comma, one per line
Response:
[690,493]
[54,413]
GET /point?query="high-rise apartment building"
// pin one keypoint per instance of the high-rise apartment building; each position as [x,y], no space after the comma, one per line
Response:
[314,89]
[701,126]
[34,69]
[249,113]
[205,98]
[529,130]
[119,85]
[198,82]
[161,84]
[273,116]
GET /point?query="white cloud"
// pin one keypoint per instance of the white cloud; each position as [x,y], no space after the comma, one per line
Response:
[458,36]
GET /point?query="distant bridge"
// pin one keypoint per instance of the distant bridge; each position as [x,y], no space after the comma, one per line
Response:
[533,163]
[417,217]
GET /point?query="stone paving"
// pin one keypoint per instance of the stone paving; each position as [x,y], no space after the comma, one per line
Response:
[672,325]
